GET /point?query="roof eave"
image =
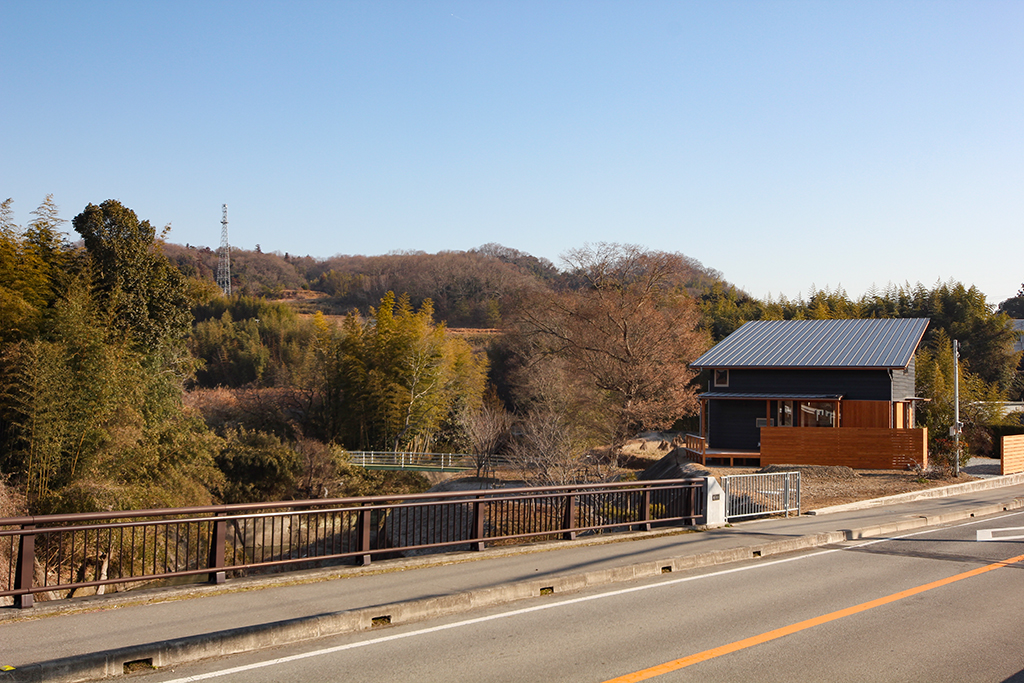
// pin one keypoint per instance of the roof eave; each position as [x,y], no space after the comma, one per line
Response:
[799,367]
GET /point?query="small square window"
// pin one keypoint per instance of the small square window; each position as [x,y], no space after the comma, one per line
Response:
[721,378]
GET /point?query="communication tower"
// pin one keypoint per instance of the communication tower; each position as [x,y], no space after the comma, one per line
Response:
[224,265]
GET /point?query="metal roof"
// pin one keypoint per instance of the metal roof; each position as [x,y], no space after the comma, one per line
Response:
[762,396]
[838,344]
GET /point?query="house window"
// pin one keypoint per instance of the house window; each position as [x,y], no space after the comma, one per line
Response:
[785,413]
[817,414]
[721,378]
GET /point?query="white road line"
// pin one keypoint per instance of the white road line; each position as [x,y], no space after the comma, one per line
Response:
[551,605]
[989,534]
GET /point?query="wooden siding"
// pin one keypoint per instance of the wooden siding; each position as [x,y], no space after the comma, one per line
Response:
[867,414]
[1012,461]
[903,382]
[870,448]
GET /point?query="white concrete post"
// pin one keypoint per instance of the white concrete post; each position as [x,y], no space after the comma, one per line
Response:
[714,504]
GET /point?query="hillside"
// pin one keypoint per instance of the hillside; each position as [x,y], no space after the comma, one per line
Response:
[469,289]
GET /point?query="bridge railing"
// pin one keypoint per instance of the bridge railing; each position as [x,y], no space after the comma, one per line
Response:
[59,555]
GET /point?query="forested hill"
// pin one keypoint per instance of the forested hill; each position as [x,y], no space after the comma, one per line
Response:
[127,379]
[483,287]
[468,288]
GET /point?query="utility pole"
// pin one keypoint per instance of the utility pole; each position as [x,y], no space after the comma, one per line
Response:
[224,265]
[955,429]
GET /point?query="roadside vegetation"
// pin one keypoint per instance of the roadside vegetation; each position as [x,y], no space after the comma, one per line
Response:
[127,379]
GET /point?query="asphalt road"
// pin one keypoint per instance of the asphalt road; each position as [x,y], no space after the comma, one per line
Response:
[933,605]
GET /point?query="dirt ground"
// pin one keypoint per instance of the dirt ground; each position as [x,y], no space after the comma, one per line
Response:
[825,486]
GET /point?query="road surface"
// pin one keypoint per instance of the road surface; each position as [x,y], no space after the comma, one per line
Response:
[940,604]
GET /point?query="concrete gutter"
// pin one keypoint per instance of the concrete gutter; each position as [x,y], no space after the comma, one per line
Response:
[924,494]
[235,641]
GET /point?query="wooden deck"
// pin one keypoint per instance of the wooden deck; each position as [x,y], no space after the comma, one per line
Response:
[732,458]
[697,451]
[875,448]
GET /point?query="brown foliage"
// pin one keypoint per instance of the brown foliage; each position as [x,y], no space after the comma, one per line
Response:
[286,411]
[629,328]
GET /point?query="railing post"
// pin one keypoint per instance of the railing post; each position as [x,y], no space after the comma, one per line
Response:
[716,499]
[569,523]
[218,542]
[364,536]
[478,524]
[646,526]
[785,493]
[26,567]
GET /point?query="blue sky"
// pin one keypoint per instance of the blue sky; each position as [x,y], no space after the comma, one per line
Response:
[789,145]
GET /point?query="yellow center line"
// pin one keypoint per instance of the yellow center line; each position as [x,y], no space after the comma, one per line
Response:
[677,664]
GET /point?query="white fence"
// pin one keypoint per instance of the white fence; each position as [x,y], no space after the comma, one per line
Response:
[755,495]
[437,462]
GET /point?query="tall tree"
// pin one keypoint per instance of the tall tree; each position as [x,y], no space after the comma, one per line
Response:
[32,262]
[485,430]
[979,400]
[628,326]
[1014,306]
[397,378]
[96,423]
[145,295]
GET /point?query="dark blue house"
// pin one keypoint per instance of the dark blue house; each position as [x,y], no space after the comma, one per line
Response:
[772,374]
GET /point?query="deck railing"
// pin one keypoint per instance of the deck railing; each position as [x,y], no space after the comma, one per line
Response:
[58,555]
[696,448]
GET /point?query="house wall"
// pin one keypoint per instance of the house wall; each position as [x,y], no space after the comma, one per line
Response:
[866,414]
[903,383]
[866,399]
[854,385]
[856,447]
[733,424]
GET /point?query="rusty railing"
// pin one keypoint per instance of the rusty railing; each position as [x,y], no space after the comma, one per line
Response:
[58,555]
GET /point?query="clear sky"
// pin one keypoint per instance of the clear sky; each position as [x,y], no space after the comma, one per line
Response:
[789,145]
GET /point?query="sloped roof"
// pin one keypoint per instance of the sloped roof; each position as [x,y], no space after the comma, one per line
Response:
[837,344]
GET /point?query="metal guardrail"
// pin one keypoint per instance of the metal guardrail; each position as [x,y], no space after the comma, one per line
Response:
[61,554]
[439,462]
[753,495]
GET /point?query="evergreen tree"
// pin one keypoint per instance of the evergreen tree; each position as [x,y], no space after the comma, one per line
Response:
[146,296]
[397,378]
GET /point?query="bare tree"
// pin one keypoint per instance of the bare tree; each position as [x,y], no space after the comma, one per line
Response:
[627,325]
[485,430]
[563,419]
[548,449]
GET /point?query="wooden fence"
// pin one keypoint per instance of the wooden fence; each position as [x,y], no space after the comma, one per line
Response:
[870,448]
[1012,460]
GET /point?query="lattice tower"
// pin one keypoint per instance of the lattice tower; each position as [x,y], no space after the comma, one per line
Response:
[224,265]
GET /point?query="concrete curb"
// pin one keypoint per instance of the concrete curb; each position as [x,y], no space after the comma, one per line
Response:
[235,641]
[925,494]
